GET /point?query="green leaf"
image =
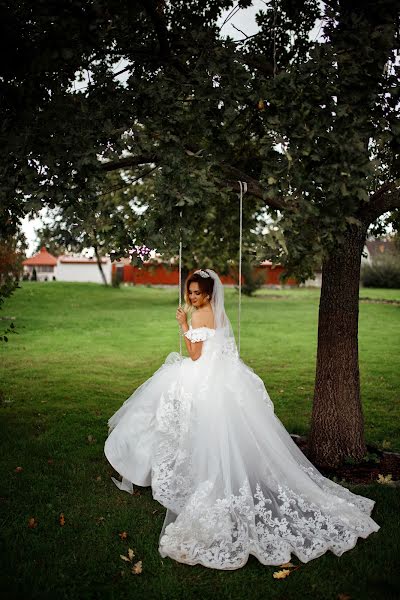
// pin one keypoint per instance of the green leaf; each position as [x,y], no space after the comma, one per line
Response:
[362,194]
[353,221]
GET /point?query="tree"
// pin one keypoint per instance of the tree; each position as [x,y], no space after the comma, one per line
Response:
[46,237]
[251,281]
[310,125]
[104,225]
[12,253]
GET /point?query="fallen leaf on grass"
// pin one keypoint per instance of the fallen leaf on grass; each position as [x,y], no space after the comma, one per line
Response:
[50,461]
[98,478]
[343,597]
[125,558]
[128,558]
[18,469]
[123,535]
[32,523]
[62,520]
[91,439]
[385,479]
[137,568]
[100,519]
[287,565]
[281,574]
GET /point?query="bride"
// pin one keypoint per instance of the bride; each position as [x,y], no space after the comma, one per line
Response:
[203,433]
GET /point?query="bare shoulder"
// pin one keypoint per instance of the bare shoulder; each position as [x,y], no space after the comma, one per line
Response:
[203,319]
[197,320]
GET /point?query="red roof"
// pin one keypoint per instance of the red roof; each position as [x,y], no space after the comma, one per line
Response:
[43,258]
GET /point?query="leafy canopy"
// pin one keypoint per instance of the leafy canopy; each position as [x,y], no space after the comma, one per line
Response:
[310,124]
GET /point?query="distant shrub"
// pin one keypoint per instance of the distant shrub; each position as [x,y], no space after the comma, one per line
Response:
[115,279]
[252,280]
[383,272]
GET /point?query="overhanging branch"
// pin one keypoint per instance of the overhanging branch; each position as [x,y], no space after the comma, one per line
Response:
[385,199]
[129,161]
[152,9]
[253,186]
[259,62]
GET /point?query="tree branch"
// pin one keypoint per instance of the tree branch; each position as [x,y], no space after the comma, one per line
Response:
[253,186]
[129,161]
[333,4]
[118,187]
[159,26]
[240,31]
[259,62]
[385,199]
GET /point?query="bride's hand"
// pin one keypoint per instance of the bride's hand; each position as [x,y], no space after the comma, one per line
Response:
[181,316]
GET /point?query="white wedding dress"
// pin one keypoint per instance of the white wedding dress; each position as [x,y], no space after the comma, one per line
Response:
[204,435]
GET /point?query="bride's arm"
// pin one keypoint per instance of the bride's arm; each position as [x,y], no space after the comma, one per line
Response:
[193,348]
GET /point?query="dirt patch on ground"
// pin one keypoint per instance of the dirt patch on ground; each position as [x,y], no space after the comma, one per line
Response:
[382,463]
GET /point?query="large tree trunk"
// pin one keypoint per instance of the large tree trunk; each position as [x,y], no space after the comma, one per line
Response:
[337,425]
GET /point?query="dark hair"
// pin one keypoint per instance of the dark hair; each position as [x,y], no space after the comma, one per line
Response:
[206,285]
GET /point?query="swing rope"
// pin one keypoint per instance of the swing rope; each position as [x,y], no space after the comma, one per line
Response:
[180,281]
[243,190]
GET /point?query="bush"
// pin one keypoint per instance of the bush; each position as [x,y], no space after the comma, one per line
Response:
[252,280]
[115,278]
[384,272]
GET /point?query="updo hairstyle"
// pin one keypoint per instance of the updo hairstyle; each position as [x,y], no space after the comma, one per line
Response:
[206,286]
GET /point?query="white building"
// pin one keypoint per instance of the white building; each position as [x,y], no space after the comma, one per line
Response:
[66,268]
[71,268]
[41,266]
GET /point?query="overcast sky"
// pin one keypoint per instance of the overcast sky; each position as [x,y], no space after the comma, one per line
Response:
[244,19]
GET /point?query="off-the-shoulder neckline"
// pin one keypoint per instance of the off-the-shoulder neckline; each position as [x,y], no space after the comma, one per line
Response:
[203,327]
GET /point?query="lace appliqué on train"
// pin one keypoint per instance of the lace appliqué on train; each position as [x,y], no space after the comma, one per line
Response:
[223,534]
[171,467]
[330,487]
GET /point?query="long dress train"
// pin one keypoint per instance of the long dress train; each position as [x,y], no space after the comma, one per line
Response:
[205,436]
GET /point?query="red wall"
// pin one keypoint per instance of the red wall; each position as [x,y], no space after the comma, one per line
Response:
[159,274]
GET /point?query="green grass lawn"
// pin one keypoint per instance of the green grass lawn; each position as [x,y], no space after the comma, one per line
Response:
[80,352]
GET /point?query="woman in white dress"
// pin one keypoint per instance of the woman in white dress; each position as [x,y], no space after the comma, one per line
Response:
[203,433]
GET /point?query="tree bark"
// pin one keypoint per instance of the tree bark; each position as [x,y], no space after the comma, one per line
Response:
[337,423]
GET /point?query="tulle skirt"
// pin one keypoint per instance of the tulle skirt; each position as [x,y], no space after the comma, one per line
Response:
[205,436]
